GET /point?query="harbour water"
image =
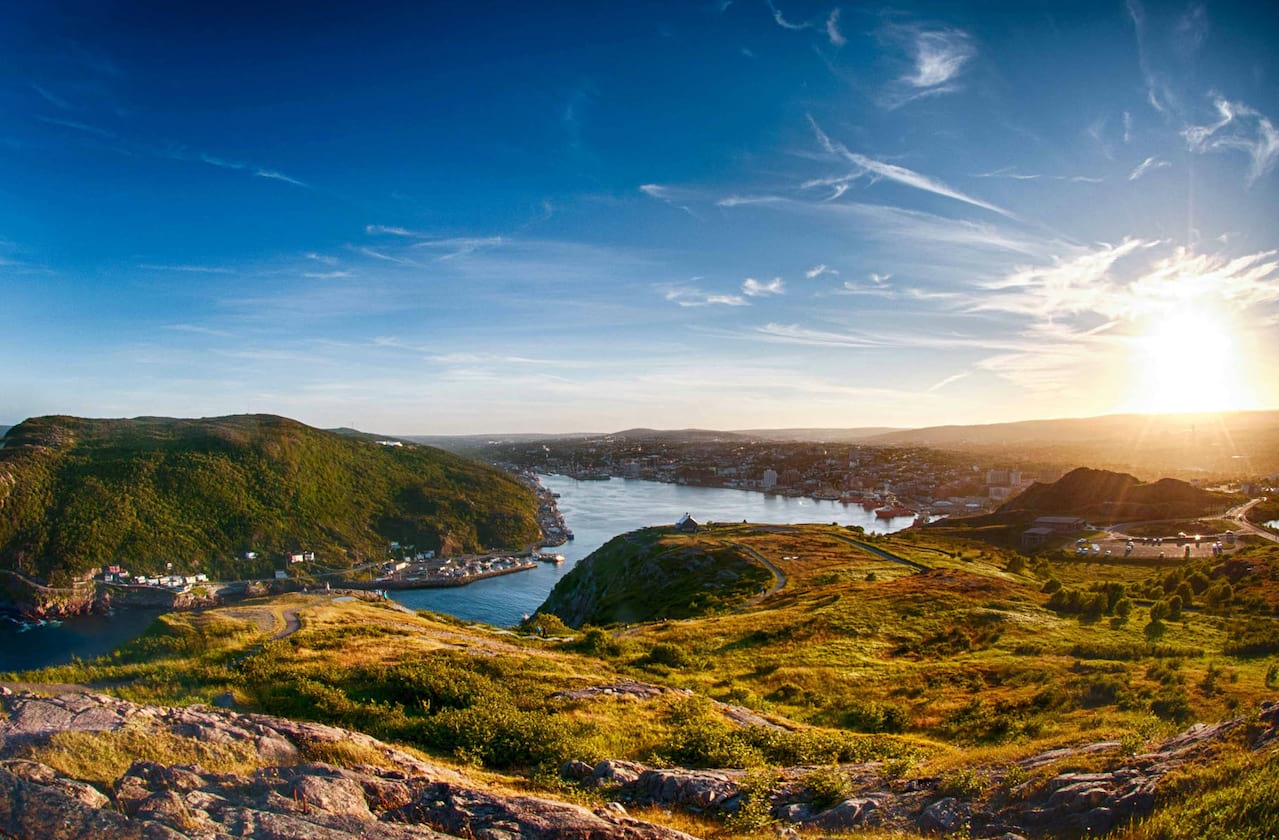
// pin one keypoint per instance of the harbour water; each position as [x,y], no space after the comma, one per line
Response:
[597,511]
[25,645]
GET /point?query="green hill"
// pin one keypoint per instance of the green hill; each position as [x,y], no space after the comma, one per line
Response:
[654,574]
[78,493]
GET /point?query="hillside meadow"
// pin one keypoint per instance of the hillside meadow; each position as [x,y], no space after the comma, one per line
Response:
[929,656]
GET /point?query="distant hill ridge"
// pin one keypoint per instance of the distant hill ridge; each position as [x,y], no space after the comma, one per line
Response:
[78,493]
[1102,494]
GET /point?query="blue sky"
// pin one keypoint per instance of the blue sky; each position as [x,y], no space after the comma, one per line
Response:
[500,217]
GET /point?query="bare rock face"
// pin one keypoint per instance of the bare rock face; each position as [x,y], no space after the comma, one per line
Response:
[405,798]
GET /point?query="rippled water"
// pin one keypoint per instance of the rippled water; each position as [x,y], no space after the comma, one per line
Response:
[597,511]
[24,646]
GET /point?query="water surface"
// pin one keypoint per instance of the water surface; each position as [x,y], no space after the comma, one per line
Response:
[24,645]
[597,511]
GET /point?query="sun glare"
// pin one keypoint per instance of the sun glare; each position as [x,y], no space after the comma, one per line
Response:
[1188,362]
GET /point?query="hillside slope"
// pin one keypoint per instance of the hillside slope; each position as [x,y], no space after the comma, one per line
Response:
[655,574]
[1226,443]
[77,493]
[1109,495]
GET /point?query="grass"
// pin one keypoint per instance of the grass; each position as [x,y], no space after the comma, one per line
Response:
[102,757]
[954,673]
[1236,799]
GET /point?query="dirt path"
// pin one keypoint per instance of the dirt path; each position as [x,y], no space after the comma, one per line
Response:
[291,624]
[50,688]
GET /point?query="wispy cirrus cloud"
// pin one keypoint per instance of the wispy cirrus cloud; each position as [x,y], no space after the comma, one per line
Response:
[52,98]
[818,270]
[452,246]
[256,171]
[1148,165]
[1238,127]
[385,257]
[874,170]
[197,329]
[836,37]
[781,20]
[939,56]
[693,296]
[1158,92]
[950,380]
[758,288]
[667,195]
[1081,307]
[190,269]
[1012,174]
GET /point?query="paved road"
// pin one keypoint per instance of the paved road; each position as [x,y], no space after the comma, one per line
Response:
[778,575]
[881,553]
[1240,515]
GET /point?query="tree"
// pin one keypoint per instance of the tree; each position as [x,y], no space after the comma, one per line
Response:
[1174,608]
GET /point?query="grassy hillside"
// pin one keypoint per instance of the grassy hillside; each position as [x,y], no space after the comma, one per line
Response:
[77,493]
[656,574]
[939,657]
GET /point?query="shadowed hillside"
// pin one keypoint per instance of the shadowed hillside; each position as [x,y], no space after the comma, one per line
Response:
[77,493]
[1105,495]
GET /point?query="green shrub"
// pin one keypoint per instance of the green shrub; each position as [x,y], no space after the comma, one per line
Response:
[826,786]
[964,783]
[668,654]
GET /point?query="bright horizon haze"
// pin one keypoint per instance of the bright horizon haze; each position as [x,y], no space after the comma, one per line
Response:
[732,214]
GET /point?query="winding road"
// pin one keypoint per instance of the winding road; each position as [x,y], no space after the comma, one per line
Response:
[778,575]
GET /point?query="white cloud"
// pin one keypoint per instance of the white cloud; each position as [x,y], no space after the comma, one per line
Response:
[280,176]
[191,269]
[949,379]
[379,255]
[1240,128]
[1102,295]
[461,246]
[876,169]
[755,288]
[392,230]
[739,200]
[692,296]
[783,22]
[836,37]
[667,195]
[197,330]
[818,270]
[939,57]
[1147,165]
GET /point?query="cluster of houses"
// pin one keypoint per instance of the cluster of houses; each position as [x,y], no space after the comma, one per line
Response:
[120,575]
[427,570]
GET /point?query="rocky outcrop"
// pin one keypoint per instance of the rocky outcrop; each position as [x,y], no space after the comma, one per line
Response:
[287,798]
[1067,803]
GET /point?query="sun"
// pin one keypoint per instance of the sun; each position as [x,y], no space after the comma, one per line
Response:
[1188,362]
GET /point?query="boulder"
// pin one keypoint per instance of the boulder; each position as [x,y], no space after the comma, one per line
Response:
[943,816]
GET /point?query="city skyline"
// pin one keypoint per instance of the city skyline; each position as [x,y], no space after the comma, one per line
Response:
[722,215]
